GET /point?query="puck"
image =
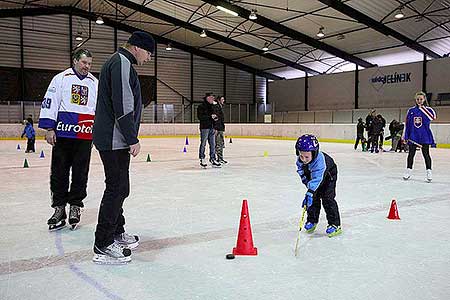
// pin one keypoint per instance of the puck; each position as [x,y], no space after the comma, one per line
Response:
[230,256]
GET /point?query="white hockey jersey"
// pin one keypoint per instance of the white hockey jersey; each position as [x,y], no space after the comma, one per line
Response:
[69,105]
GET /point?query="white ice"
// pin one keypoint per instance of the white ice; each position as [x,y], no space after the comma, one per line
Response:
[188,220]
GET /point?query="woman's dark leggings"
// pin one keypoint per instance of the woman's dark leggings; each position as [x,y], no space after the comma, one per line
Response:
[425,153]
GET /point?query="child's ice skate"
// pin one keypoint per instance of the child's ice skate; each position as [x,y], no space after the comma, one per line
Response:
[333,230]
[310,227]
[58,219]
[74,216]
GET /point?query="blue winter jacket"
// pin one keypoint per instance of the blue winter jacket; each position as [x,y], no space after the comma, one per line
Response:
[317,172]
[29,131]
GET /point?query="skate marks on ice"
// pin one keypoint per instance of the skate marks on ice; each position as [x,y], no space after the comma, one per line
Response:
[80,274]
[37,263]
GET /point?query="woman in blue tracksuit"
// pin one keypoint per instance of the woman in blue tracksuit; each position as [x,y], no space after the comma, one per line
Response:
[418,134]
[319,173]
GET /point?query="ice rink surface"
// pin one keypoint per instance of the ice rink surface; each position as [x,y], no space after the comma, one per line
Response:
[188,218]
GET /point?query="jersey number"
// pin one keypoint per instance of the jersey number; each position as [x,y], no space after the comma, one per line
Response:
[46,103]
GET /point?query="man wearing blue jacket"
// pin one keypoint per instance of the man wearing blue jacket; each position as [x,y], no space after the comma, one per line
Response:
[115,136]
[319,173]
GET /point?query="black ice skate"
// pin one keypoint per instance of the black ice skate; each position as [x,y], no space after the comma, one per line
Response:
[74,216]
[222,161]
[203,163]
[113,254]
[58,219]
[214,163]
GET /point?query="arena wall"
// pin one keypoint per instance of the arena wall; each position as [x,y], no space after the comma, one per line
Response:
[325,132]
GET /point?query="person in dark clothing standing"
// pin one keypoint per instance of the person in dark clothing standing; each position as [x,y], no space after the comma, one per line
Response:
[377,128]
[369,128]
[219,126]
[115,136]
[381,136]
[359,132]
[207,116]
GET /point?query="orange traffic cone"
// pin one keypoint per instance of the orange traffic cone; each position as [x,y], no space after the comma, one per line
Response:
[244,244]
[393,212]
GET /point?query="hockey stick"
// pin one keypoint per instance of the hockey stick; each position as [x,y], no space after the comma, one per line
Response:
[300,225]
[415,143]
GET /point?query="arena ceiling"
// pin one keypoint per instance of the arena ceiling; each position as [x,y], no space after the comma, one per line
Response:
[356,32]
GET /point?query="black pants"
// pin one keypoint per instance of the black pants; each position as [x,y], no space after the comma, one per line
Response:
[375,138]
[67,155]
[425,153]
[30,145]
[369,139]
[326,194]
[358,138]
[381,136]
[111,221]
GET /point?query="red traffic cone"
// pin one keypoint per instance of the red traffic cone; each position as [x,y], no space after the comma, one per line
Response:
[393,212]
[244,244]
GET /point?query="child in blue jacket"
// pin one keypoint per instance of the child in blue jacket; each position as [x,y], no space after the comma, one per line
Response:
[31,136]
[319,173]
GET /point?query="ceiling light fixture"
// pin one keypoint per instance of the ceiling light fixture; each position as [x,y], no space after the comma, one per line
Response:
[79,37]
[228,11]
[203,34]
[169,47]
[321,33]
[99,21]
[399,14]
[265,47]
[253,15]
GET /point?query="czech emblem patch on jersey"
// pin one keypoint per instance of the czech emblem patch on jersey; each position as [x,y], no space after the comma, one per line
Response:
[417,122]
[79,94]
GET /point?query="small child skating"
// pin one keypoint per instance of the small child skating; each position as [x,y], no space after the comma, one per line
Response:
[319,173]
[29,132]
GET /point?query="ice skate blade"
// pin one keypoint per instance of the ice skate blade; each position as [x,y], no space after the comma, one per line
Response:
[73,226]
[55,227]
[107,260]
[337,232]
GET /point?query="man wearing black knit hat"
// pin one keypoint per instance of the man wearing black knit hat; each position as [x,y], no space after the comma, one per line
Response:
[115,136]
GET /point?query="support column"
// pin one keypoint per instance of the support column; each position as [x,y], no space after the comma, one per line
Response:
[357,87]
[22,69]
[306,92]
